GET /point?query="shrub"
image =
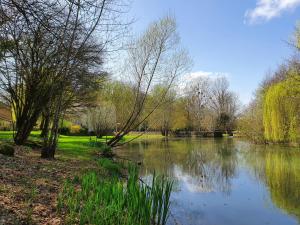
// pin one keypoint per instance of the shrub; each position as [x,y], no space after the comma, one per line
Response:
[75,129]
[64,130]
[106,151]
[7,149]
[84,131]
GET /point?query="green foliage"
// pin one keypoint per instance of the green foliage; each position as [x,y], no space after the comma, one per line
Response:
[106,150]
[111,202]
[64,130]
[250,124]
[7,149]
[281,111]
[112,167]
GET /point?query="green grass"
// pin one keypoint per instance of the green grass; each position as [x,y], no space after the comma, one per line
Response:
[110,201]
[78,147]
[147,136]
[8,135]
[111,167]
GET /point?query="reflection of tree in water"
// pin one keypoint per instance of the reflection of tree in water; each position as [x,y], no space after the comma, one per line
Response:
[279,168]
[203,165]
[213,164]
[227,157]
[283,179]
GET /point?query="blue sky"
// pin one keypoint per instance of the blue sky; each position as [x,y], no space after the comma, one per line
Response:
[241,38]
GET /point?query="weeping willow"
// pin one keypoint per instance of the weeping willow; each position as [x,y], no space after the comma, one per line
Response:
[281,111]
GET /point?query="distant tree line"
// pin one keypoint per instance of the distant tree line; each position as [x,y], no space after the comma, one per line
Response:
[203,105]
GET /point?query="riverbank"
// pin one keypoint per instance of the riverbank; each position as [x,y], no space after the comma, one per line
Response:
[30,186]
[32,189]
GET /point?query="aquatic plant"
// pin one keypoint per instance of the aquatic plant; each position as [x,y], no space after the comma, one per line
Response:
[111,201]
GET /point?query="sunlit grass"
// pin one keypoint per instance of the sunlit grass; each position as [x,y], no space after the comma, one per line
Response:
[110,201]
[78,147]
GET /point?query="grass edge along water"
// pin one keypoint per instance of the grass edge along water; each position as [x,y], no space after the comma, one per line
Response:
[95,200]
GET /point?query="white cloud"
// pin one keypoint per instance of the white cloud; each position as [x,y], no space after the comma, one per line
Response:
[211,75]
[266,10]
[193,184]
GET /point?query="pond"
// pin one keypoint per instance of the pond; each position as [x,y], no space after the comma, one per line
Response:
[224,181]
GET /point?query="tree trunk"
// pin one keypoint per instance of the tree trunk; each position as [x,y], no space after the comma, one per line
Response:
[42,122]
[166,132]
[22,136]
[48,152]
[50,143]
[24,127]
[45,127]
[112,142]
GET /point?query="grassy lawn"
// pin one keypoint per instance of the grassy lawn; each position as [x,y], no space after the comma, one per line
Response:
[8,135]
[77,147]
[80,147]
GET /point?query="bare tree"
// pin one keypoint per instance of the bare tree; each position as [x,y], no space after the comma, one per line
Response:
[153,58]
[224,104]
[197,93]
[101,119]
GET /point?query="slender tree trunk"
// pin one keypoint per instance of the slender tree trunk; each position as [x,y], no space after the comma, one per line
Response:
[45,127]
[42,122]
[112,142]
[167,132]
[50,144]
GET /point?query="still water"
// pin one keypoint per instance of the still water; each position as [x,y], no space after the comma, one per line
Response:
[224,181]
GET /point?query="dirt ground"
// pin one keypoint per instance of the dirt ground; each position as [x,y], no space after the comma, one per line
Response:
[29,187]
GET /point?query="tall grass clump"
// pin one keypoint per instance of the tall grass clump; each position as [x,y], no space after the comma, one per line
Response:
[112,167]
[112,201]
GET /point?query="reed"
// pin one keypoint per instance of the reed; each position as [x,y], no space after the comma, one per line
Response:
[111,201]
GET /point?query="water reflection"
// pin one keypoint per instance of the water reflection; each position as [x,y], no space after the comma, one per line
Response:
[225,176]
[279,168]
[201,166]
